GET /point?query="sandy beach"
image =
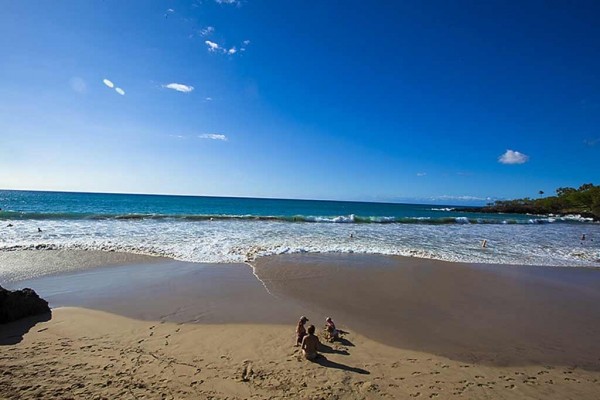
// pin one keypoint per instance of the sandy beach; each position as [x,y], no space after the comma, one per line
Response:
[417,329]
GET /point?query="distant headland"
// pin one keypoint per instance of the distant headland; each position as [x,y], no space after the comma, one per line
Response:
[584,201]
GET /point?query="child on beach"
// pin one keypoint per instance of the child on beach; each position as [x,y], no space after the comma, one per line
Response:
[310,344]
[300,330]
[331,332]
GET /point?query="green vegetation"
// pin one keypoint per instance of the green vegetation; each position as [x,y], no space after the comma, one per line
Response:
[584,201]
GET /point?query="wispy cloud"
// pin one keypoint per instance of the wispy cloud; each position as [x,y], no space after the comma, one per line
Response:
[180,87]
[208,99]
[120,91]
[591,142]
[460,198]
[213,136]
[513,157]
[236,2]
[207,31]
[421,173]
[78,85]
[216,48]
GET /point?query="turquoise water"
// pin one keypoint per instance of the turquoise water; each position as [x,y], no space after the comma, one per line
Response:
[222,230]
[59,205]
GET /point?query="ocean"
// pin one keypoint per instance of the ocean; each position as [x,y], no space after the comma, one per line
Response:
[225,230]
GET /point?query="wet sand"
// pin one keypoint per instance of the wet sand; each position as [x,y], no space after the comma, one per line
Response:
[496,315]
[19,265]
[173,291]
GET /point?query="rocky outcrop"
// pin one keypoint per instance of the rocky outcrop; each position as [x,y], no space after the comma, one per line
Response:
[19,304]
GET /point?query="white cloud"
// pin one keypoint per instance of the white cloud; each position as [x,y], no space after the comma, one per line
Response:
[208,98]
[591,142]
[246,42]
[207,31]
[513,157]
[228,1]
[78,84]
[213,136]
[108,83]
[179,87]
[460,198]
[421,173]
[120,91]
[212,46]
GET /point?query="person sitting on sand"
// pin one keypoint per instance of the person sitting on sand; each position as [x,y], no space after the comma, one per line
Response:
[332,331]
[300,330]
[310,344]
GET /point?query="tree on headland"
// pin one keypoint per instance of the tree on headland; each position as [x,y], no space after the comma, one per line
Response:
[584,201]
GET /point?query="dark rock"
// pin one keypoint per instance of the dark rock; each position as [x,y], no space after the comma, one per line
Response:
[19,304]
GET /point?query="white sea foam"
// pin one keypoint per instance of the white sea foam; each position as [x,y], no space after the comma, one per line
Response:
[222,241]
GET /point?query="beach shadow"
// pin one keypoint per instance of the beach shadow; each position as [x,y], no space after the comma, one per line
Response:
[322,360]
[13,332]
[323,348]
[345,342]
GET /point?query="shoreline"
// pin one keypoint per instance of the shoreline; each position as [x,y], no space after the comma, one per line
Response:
[470,312]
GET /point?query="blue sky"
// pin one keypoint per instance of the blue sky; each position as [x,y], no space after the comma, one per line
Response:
[423,101]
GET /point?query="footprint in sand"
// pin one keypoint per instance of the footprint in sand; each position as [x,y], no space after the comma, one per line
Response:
[416,373]
[415,394]
[247,372]
[432,395]
[510,386]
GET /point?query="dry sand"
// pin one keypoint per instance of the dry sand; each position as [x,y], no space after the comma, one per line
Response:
[87,354]
[418,329]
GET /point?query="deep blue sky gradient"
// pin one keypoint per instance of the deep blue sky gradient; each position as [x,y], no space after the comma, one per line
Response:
[354,100]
